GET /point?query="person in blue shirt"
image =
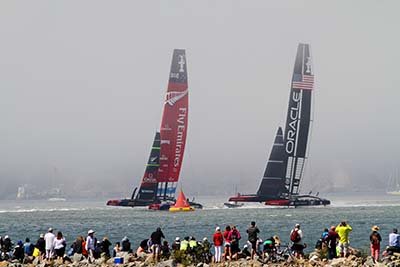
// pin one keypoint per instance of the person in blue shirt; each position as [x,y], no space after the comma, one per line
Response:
[394,242]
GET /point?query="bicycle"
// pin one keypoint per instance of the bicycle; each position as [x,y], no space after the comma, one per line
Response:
[278,254]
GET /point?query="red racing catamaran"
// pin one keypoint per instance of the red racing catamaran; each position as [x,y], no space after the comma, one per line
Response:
[159,182]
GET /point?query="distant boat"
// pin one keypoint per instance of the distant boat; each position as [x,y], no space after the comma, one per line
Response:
[233,204]
[280,185]
[56,199]
[393,187]
[159,182]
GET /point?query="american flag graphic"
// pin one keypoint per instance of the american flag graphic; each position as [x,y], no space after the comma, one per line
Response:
[304,82]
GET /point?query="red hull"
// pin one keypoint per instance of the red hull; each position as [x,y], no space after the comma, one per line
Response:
[278,202]
[246,198]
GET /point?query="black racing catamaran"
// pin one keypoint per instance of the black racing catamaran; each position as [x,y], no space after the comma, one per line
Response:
[280,185]
[147,194]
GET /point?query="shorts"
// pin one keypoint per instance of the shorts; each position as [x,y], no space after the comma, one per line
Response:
[60,252]
[156,248]
[343,247]
[227,244]
[298,247]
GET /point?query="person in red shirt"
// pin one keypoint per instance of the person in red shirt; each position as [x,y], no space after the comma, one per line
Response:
[218,240]
[227,249]
[332,240]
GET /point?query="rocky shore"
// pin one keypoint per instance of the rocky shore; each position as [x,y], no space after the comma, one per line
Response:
[148,261]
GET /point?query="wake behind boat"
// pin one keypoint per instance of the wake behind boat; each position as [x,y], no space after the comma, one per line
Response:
[233,204]
[281,182]
[159,182]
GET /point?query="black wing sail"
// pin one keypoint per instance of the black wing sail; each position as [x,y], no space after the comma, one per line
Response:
[148,189]
[273,183]
[298,118]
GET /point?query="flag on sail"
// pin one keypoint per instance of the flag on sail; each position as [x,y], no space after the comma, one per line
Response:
[304,82]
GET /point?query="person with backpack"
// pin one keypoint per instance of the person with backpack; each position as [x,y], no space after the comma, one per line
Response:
[296,236]
[321,243]
[252,232]
[375,239]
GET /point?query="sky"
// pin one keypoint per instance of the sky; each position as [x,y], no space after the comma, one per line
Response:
[82,86]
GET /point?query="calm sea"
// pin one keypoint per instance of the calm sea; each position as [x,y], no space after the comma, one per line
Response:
[30,218]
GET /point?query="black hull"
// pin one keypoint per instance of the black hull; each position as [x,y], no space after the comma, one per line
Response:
[233,205]
[196,205]
[151,204]
[128,203]
[299,201]
[248,198]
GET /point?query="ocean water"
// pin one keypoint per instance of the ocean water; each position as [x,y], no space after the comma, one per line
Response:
[30,218]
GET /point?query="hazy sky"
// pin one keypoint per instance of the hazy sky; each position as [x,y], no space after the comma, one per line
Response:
[82,86]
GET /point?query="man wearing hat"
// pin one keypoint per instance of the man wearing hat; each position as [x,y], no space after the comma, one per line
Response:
[90,245]
[218,240]
[49,239]
[375,239]
[41,245]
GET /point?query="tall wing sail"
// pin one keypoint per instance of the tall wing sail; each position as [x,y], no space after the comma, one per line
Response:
[148,187]
[173,126]
[298,118]
[273,182]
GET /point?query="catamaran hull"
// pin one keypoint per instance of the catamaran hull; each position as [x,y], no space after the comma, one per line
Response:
[306,200]
[127,203]
[248,198]
[166,206]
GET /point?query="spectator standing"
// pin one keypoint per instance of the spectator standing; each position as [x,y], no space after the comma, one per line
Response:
[344,229]
[49,243]
[375,239]
[90,245]
[253,232]
[218,241]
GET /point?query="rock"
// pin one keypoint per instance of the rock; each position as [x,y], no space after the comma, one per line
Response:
[369,262]
[337,262]
[314,258]
[36,261]
[77,257]
[167,263]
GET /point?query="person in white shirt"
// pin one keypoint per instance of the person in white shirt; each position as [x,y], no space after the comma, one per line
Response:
[90,244]
[59,245]
[49,239]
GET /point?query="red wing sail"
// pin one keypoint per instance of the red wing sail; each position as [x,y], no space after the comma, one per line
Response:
[173,126]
